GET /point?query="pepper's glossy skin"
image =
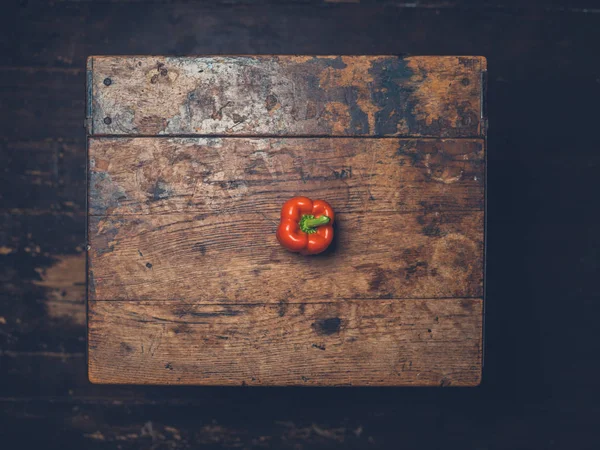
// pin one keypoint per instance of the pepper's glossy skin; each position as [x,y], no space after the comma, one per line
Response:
[293,238]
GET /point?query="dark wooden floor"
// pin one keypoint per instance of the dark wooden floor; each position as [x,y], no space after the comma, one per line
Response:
[540,386]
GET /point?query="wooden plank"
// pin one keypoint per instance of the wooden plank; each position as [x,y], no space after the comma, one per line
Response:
[304,29]
[38,237]
[42,303]
[345,419]
[253,423]
[208,175]
[177,427]
[43,175]
[236,257]
[496,5]
[46,103]
[39,323]
[42,282]
[287,95]
[388,342]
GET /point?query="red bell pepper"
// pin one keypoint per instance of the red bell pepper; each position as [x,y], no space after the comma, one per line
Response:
[306,226]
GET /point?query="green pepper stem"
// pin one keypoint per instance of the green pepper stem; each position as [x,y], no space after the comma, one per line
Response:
[308,223]
[317,221]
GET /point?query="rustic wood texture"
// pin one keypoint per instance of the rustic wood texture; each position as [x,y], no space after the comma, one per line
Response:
[287,95]
[184,226]
[539,387]
[409,223]
[225,257]
[49,175]
[241,175]
[408,342]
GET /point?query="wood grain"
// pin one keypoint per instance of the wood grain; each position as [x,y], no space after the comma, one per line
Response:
[240,175]
[47,175]
[390,342]
[42,281]
[550,154]
[190,160]
[236,257]
[287,95]
[40,96]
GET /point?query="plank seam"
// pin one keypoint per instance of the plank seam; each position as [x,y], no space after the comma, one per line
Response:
[275,304]
[280,136]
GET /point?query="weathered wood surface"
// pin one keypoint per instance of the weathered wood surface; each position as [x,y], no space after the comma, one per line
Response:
[30,95]
[286,95]
[236,257]
[410,222]
[45,175]
[241,175]
[185,226]
[543,160]
[190,424]
[390,342]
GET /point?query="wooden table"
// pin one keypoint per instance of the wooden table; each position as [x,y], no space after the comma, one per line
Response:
[189,162]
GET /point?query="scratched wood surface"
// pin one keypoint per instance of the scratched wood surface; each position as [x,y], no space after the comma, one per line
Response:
[189,161]
[409,342]
[286,95]
[542,157]
[240,175]
[226,257]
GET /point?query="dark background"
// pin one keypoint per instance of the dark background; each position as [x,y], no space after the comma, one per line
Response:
[540,384]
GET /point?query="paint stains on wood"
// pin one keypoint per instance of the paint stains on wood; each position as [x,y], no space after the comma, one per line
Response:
[208,175]
[64,280]
[287,95]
